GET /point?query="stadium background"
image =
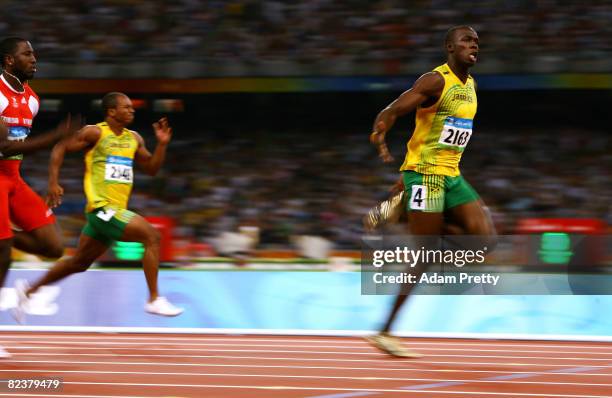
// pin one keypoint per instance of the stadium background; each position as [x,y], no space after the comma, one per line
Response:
[267,179]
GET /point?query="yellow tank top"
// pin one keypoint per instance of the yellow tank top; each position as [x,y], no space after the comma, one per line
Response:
[444,129]
[108,169]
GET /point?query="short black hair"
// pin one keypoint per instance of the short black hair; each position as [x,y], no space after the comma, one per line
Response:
[109,101]
[8,46]
[449,33]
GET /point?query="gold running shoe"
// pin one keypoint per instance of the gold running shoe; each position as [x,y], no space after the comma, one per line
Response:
[384,213]
[391,345]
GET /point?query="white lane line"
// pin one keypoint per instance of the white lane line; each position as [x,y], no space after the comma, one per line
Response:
[299,332]
[360,378]
[344,340]
[385,361]
[370,354]
[512,394]
[145,346]
[279,388]
[158,337]
[242,366]
[163,343]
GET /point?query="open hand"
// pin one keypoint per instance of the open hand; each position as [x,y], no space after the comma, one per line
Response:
[163,131]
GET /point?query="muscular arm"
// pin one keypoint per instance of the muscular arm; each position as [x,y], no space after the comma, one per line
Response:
[32,144]
[427,87]
[84,139]
[151,163]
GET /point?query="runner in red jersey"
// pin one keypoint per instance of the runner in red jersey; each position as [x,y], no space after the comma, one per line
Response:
[19,204]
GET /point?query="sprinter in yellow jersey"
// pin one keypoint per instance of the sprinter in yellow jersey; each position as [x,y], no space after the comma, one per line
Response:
[110,149]
[437,198]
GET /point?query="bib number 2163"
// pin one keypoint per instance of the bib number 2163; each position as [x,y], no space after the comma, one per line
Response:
[456,132]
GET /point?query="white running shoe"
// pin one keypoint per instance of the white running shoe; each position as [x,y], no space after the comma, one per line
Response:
[161,306]
[4,353]
[21,287]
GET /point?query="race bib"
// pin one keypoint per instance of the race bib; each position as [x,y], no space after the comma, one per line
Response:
[18,133]
[418,197]
[456,132]
[118,169]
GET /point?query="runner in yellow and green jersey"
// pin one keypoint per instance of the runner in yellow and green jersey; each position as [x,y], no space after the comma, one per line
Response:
[110,151]
[108,168]
[437,197]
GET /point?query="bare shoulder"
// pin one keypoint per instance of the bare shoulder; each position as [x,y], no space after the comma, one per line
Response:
[91,129]
[430,82]
[90,132]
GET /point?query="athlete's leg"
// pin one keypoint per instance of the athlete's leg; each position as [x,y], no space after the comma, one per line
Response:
[423,224]
[40,235]
[87,252]
[5,258]
[6,234]
[6,238]
[424,205]
[465,209]
[139,230]
[44,241]
[474,218]
[5,263]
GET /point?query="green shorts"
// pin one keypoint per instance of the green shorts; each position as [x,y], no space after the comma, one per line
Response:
[436,193]
[106,224]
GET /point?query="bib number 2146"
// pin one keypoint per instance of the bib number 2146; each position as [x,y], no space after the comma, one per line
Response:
[118,169]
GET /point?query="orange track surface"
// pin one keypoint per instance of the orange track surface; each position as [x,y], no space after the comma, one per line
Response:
[164,365]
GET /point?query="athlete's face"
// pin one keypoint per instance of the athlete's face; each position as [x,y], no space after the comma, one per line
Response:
[464,46]
[124,111]
[23,62]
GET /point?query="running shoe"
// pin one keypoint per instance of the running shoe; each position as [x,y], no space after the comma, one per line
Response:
[4,353]
[21,287]
[391,345]
[161,306]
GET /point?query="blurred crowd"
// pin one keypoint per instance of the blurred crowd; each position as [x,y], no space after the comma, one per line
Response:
[186,38]
[287,185]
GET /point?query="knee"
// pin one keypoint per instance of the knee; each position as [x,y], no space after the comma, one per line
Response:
[489,235]
[5,262]
[153,237]
[5,251]
[482,226]
[478,227]
[53,251]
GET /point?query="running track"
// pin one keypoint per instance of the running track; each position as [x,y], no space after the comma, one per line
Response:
[170,365]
